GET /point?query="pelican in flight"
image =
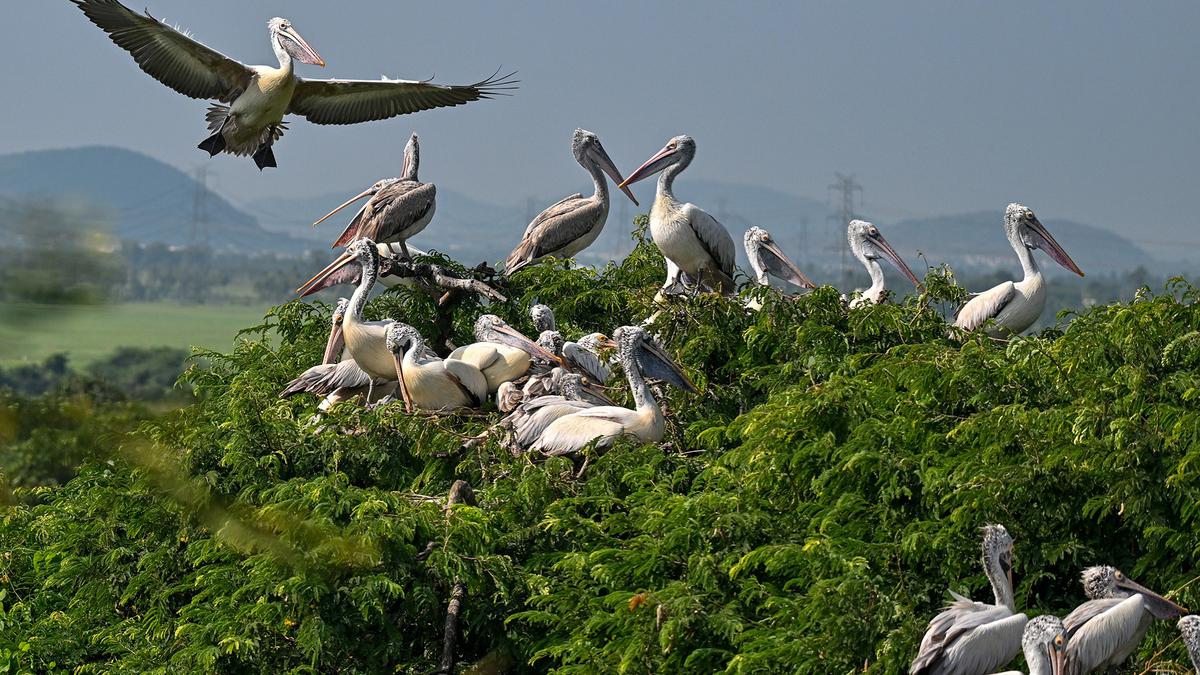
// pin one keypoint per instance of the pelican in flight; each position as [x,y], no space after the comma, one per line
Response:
[571,225]
[1105,630]
[1015,306]
[768,260]
[502,354]
[640,356]
[868,245]
[428,382]
[254,99]
[1044,642]
[398,208]
[1189,629]
[974,638]
[692,241]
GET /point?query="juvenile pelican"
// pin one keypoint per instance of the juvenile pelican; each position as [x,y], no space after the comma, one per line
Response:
[974,638]
[426,381]
[1016,306]
[502,354]
[581,356]
[868,245]
[1189,630]
[259,96]
[571,225]
[768,260]
[640,356]
[692,241]
[530,419]
[1105,630]
[398,208]
[1043,641]
[543,318]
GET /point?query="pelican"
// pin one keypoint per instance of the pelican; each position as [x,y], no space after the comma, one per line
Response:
[336,341]
[974,638]
[768,260]
[571,225]
[530,419]
[581,356]
[1105,630]
[692,241]
[868,245]
[1016,306]
[254,99]
[502,354]
[1189,629]
[543,318]
[426,381]
[639,356]
[350,271]
[398,208]
[1043,641]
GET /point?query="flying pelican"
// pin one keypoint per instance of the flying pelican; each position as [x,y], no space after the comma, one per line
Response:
[1189,629]
[428,382]
[258,97]
[692,241]
[868,245]
[974,638]
[1043,641]
[350,271]
[640,356]
[1105,630]
[1016,306]
[398,208]
[571,225]
[502,354]
[768,260]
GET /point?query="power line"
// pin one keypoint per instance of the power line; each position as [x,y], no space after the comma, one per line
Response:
[848,186]
[199,228]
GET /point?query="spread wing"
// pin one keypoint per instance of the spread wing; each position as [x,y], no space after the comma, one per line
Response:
[354,101]
[168,55]
[713,237]
[1103,634]
[984,306]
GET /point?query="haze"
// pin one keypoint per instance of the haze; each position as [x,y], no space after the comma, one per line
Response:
[1080,110]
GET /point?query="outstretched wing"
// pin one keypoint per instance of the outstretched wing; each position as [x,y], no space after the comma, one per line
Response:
[168,55]
[354,101]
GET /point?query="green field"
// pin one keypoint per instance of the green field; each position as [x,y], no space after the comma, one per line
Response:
[30,333]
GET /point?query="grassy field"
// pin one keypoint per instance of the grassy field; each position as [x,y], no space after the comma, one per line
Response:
[30,333]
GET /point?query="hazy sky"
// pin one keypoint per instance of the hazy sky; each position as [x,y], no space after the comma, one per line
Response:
[1087,110]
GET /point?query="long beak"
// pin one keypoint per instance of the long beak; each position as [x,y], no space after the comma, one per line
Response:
[307,53]
[365,193]
[1058,661]
[796,276]
[1052,248]
[313,285]
[404,393]
[510,336]
[666,369]
[652,166]
[1159,606]
[607,166]
[335,343]
[894,258]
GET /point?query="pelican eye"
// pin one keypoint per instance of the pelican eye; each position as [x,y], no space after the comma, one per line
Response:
[1058,640]
[1119,575]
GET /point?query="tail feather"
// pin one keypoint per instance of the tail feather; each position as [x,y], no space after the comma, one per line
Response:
[523,255]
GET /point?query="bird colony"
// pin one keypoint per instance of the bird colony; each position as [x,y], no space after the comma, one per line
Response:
[553,395]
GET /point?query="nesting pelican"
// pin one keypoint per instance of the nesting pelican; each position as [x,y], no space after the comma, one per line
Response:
[502,354]
[254,99]
[768,260]
[428,382]
[1015,306]
[571,225]
[868,245]
[692,241]
[530,419]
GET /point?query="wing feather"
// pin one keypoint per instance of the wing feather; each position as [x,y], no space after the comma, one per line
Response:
[1103,635]
[713,237]
[354,101]
[984,306]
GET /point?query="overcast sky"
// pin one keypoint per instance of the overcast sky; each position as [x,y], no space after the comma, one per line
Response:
[1086,110]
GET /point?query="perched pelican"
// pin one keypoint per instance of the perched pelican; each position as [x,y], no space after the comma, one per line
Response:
[768,260]
[543,318]
[502,354]
[350,271]
[1016,306]
[1105,630]
[1189,629]
[398,208]
[571,225]
[259,96]
[1043,641]
[868,245]
[974,638]
[692,241]
[640,357]
[581,356]
[426,381]
[530,419]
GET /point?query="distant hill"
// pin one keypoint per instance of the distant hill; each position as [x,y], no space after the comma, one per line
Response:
[148,200]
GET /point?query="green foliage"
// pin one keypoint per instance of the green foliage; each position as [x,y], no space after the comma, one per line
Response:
[806,513]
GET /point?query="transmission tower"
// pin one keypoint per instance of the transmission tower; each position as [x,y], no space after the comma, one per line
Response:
[848,187]
[199,228]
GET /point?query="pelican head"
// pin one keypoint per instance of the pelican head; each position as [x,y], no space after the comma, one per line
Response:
[594,342]
[371,191]
[767,258]
[543,318]
[570,385]
[336,341]
[998,554]
[589,152]
[1105,581]
[491,328]
[285,39]
[552,341]
[867,243]
[401,337]
[1044,642]
[678,151]
[1022,226]
[636,346]
[1189,629]
[412,159]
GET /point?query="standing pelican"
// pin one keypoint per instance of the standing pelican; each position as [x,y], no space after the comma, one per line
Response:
[571,225]
[398,208]
[502,354]
[692,241]
[259,96]
[1016,306]
[974,638]
[868,245]
[639,356]
[1044,642]
[1189,630]
[426,381]
[1105,630]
